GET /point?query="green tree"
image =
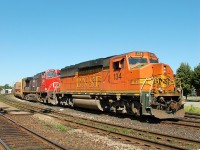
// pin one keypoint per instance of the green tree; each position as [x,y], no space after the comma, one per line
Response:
[196,77]
[6,86]
[185,73]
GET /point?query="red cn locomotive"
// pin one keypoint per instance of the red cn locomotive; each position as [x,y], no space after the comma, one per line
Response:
[42,86]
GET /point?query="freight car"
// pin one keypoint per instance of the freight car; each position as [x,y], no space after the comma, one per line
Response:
[40,87]
[133,83]
[17,89]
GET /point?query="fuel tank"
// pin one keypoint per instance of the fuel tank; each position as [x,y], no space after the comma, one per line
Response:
[88,103]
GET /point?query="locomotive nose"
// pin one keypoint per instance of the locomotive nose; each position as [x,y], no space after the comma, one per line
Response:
[161,69]
[163,76]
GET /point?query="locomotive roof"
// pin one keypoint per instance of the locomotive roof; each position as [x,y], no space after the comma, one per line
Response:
[71,70]
[104,62]
[28,78]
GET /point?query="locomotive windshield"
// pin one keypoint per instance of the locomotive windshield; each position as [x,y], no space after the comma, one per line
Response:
[133,61]
[137,62]
[153,60]
[51,74]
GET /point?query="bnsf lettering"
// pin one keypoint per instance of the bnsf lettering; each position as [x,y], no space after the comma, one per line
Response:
[88,82]
[162,81]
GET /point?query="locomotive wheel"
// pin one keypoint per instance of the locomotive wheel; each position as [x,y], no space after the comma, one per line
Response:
[136,108]
[71,103]
[54,100]
[45,100]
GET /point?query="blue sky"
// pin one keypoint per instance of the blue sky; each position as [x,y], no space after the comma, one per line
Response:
[37,35]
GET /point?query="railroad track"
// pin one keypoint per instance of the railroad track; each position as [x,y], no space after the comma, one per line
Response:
[15,136]
[184,123]
[192,115]
[190,120]
[145,139]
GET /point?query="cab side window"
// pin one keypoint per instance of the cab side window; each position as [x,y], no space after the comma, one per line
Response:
[43,75]
[118,64]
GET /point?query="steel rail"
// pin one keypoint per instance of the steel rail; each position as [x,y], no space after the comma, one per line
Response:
[195,114]
[192,115]
[4,145]
[184,123]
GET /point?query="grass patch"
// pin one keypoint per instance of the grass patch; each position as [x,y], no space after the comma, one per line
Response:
[58,127]
[192,109]
[1,96]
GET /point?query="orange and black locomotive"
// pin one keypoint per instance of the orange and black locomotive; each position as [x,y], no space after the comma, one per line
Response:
[133,83]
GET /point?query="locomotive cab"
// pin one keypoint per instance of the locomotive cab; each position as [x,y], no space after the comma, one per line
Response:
[144,86]
[50,80]
[49,86]
[155,81]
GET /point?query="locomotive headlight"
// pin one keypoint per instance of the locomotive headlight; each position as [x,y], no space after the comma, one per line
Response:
[165,69]
[160,90]
[179,90]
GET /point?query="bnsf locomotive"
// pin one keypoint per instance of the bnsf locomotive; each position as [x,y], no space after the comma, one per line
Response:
[133,83]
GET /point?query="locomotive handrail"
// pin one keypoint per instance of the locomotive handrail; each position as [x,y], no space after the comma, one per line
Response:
[144,84]
[151,86]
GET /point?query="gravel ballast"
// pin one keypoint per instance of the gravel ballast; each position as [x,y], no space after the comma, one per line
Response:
[78,139]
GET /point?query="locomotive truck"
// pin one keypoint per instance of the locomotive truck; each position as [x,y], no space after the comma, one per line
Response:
[133,83]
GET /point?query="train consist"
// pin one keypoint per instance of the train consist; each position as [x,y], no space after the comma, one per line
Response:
[133,83]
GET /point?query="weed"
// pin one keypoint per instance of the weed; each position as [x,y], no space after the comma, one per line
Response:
[60,127]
